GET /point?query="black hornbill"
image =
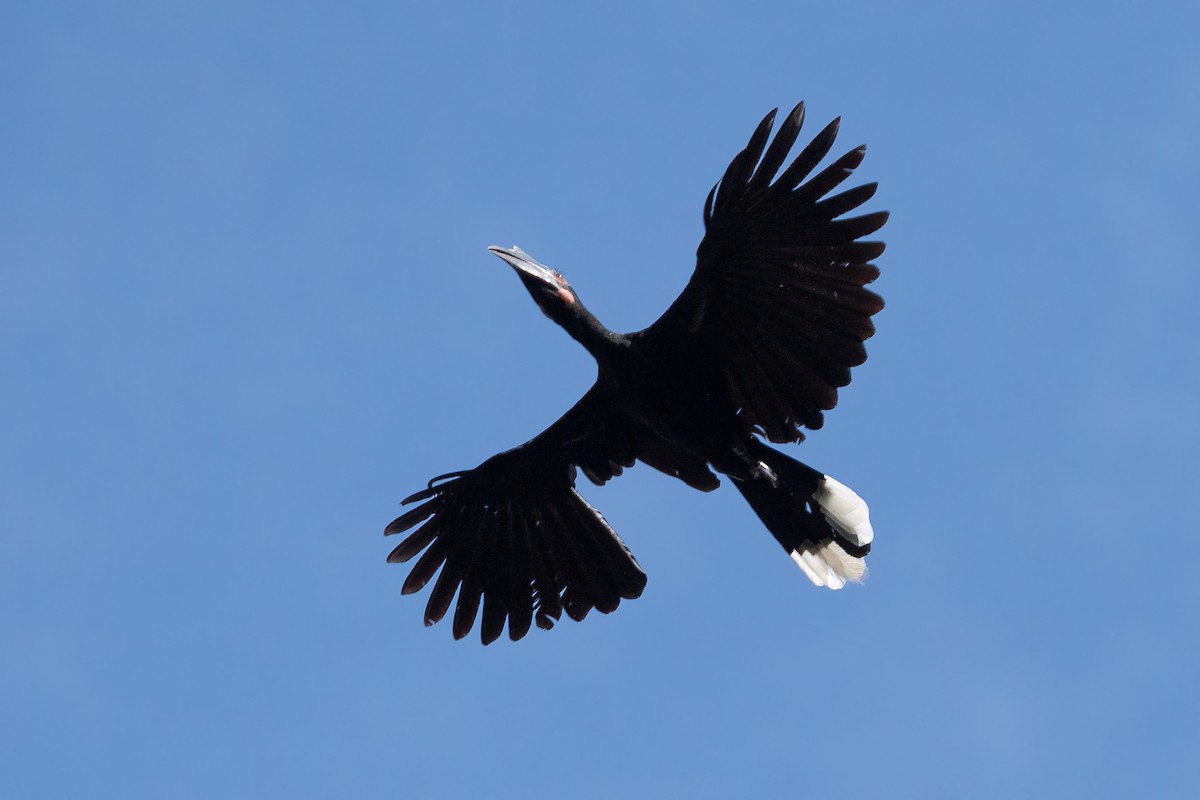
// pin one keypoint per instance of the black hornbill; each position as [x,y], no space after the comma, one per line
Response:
[757,345]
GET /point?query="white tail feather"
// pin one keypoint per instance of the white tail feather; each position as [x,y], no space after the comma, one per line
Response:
[818,580]
[829,565]
[845,511]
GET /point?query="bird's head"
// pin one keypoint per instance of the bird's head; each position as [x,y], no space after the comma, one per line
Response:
[549,288]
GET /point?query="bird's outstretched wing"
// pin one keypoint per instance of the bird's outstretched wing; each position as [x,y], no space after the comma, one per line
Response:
[778,294]
[515,534]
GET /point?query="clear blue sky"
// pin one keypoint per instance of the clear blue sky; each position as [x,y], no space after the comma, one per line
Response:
[245,307]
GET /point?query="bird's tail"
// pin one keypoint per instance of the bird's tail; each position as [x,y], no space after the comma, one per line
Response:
[823,524]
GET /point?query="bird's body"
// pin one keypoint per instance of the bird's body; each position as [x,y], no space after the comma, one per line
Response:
[757,345]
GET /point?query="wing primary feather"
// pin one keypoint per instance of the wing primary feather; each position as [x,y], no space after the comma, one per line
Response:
[417,541]
[425,493]
[452,572]
[733,183]
[445,475]
[493,618]
[410,518]
[727,191]
[777,152]
[472,589]
[494,580]
[520,586]
[809,157]
[565,565]
[427,565]
[858,227]
[749,157]
[835,205]
[827,179]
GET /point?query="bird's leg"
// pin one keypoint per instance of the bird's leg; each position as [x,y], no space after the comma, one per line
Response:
[762,471]
[742,466]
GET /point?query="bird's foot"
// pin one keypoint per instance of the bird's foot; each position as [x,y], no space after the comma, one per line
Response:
[763,472]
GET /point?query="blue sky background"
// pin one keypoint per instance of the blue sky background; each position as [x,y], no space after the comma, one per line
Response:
[245,307]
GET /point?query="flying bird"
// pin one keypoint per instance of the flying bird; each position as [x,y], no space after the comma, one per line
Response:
[757,346]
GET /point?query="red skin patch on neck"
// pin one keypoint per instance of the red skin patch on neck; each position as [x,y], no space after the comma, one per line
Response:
[567,296]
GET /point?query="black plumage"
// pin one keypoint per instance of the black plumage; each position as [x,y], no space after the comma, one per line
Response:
[757,345]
